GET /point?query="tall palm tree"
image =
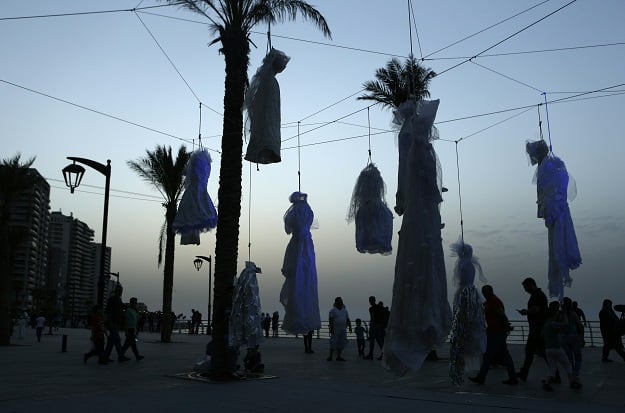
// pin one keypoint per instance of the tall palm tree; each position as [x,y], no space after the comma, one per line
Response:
[160,169]
[231,21]
[398,82]
[16,177]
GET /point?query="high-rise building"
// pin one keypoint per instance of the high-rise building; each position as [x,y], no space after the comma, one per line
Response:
[28,229]
[72,264]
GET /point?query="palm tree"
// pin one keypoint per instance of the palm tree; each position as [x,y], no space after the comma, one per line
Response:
[15,178]
[231,21]
[166,174]
[397,82]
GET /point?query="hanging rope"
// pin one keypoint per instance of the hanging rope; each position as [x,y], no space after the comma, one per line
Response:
[369,132]
[299,162]
[199,132]
[459,194]
[414,22]
[249,218]
[269,37]
[548,128]
[540,123]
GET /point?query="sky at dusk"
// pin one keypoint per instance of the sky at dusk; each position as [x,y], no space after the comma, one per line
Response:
[111,85]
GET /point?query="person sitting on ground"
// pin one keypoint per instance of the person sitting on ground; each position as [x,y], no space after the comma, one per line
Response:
[252,361]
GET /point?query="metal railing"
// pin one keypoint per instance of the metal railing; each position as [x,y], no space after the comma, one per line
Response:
[592,335]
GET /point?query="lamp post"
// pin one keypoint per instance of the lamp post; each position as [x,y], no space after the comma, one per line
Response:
[197,262]
[73,174]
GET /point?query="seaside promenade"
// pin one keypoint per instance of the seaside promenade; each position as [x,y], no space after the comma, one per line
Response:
[39,377]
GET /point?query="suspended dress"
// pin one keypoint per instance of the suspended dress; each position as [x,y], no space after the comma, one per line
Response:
[374,220]
[299,294]
[262,103]
[420,314]
[196,212]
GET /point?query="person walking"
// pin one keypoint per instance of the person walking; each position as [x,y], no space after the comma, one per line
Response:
[360,332]
[274,323]
[497,329]
[377,326]
[611,338]
[114,321]
[557,324]
[580,313]
[131,329]
[267,324]
[40,322]
[97,336]
[339,322]
[572,337]
[536,313]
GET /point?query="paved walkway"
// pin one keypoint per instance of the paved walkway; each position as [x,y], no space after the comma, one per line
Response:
[38,377]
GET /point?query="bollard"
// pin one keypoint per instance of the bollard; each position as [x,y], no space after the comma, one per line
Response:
[64,344]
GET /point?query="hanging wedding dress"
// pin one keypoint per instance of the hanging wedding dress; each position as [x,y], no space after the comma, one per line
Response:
[468,326]
[554,187]
[420,314]
[374,220]
[245,321]
[196,212]
[299,292]
[262,103]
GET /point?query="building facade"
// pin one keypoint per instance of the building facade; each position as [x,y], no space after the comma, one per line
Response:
[28,229]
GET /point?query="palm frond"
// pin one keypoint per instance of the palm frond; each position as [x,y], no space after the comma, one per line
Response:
[397,82]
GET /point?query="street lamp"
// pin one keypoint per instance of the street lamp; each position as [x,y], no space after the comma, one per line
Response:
[72,174]
[197,262]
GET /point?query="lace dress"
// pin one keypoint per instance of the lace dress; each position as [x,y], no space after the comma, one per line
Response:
[262,103]
[420,314]
[196,212]
[468,326]
[299,292]
[245,320]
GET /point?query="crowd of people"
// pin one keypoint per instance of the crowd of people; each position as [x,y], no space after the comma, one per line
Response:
[556,334]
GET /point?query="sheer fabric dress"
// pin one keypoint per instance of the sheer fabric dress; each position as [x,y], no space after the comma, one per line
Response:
[262,103]
[553,189]
[420,314]
[299,293]
[468,327]
[196,212]
[374,220]
[245,321]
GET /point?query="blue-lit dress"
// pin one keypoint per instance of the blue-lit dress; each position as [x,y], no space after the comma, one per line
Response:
[196,212]
[299,293]
[552,182]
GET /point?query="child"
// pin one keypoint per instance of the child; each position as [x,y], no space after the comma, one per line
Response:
[360,332]
[97,336]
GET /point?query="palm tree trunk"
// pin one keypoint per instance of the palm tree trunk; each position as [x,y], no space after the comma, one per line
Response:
[168,275]
[236,53]
[5,286]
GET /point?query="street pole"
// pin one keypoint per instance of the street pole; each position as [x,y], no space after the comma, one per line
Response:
[198,264]
[73,176]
